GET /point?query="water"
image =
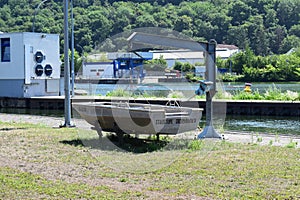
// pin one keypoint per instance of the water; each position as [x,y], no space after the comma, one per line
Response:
[103,89]
[263,124]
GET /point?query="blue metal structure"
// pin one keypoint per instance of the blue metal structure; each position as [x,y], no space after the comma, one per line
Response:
[129,61]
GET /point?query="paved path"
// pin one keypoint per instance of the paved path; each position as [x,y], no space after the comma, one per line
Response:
[231,136]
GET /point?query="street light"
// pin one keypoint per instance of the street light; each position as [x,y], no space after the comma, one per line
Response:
[67,70]
[72,50]
[35,12]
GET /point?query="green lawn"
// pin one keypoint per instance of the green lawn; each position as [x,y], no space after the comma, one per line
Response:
[38,162]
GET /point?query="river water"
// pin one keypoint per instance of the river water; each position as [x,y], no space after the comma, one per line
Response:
[103,89]
[263,124]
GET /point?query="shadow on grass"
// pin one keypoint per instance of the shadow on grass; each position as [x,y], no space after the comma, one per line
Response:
[129,144]
[12,129]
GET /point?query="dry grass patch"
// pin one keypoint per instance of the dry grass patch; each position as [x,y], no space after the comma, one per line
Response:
[40,162]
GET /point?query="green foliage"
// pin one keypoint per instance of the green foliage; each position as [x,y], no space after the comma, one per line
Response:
[156,64]
[251,68]
[258,27]
[184,67]
[272,93]
[191,77]
[176,95]
[227,77]
[119,93]
[242,95]
[195,145]
[265,26]
[292,144]
[77,60]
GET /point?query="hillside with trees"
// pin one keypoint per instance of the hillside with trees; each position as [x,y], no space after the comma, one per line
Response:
[266,26]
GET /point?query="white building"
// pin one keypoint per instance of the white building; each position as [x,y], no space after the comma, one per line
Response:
[29,64]
[96,70]
[224,51]
[172,56]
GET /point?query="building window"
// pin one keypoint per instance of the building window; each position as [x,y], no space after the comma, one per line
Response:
[5,50]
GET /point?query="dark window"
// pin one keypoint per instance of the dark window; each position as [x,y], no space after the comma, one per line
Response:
[5,49]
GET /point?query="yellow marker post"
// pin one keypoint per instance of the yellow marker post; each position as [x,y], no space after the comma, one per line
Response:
[247,87]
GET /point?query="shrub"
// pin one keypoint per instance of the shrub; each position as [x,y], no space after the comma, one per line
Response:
[242,95]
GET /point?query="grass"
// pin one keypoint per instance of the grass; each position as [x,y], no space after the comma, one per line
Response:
[46,163]
[272,93]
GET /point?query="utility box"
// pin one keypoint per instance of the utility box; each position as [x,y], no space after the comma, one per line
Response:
[29,65]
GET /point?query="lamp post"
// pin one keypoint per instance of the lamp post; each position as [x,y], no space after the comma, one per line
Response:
[35,12]
[67,69]
[72,50]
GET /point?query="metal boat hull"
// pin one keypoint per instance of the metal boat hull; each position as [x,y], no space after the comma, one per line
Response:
[136,118]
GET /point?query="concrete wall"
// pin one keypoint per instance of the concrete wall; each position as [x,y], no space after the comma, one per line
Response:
[11,88]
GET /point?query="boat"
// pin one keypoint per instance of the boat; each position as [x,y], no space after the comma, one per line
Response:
[138,118]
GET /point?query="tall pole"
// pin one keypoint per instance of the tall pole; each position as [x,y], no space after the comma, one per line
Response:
[35,12]
[72,49]
[66,68]
[211,70]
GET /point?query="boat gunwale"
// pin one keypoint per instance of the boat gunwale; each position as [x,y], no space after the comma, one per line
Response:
[150,107]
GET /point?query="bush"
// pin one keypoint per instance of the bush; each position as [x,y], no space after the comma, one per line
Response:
[242,95]
[195,145]
[118,93]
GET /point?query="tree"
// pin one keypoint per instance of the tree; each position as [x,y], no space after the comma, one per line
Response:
[288,12]
[295,30]
[156,64]
[146,20]
[240,59]
[221,22]
[183,23]
[276,35]
[100,25]
[288,43]
[238,35]
[122,16]
[259,42]
[239,12]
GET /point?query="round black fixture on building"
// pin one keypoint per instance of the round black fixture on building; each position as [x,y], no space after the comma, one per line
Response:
[39,70]
[39,57]
[48,70]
